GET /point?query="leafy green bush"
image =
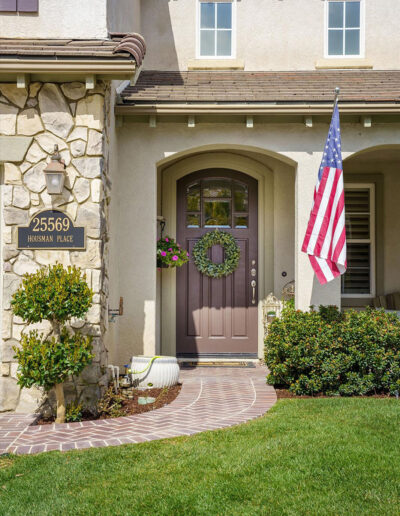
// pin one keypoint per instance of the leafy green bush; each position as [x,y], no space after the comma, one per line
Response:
[74,413]
[47,362]
[54,294]
[326,351]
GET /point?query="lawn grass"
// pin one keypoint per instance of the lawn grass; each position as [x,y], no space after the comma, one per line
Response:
[305,457]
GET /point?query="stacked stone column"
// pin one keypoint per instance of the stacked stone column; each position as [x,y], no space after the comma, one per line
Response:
[76,120]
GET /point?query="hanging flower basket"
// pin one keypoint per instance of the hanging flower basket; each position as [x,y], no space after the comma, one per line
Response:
[170,254]
[203,262]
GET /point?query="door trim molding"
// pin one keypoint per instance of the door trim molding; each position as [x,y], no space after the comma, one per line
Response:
[169,177]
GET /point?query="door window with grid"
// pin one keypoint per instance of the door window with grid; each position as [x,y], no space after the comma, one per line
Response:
[359,279]
[344,28]
[215,29]
[217,203]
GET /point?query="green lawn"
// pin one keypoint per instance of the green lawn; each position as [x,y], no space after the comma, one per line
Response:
[314,457]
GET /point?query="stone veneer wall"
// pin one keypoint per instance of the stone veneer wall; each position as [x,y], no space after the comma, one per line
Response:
[78,121]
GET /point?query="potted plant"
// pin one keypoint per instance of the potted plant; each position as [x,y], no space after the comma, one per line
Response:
[54,294]
[170,254]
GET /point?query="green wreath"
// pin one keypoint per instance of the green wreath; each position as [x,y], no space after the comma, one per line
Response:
[203,262]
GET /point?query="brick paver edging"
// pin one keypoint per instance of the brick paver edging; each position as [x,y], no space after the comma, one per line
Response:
[210,398]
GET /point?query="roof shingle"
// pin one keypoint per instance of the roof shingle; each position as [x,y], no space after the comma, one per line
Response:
[257,87]
[119,46]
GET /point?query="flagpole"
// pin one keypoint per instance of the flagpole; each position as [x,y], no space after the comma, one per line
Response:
[337,93]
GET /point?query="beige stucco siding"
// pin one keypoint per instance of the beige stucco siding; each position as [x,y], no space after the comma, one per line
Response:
[123,15]
[383,167]
[291,151]
[73,19]
[271,34]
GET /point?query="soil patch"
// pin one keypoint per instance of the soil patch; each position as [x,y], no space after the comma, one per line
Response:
[130,403]
[285,393]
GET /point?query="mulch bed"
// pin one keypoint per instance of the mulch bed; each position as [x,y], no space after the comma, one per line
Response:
[131,406]
[285,394]
[163,397]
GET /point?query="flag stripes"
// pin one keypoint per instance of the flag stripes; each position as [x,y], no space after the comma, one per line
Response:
[325,239]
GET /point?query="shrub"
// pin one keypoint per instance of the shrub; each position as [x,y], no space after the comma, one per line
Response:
[334,353]
[110,405]
[54,294]
[74,413]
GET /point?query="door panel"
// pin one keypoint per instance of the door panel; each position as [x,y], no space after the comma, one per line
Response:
[217,316]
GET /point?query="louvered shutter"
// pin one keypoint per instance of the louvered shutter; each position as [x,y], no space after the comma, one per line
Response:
[28,6]
[357,279]
[8,5]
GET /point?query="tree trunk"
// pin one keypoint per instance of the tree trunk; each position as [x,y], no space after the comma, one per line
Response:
[59,387]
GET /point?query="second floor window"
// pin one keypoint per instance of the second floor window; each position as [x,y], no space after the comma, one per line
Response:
[215,36]
[344,28]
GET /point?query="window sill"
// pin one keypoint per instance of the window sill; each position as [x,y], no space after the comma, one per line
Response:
[343,63]
[216,64]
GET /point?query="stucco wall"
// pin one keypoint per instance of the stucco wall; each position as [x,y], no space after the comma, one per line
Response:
[123,15]
[271,34]
[386,163]
[141,149]
[58,19]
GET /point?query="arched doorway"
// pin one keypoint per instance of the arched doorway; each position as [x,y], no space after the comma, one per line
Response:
[218,317]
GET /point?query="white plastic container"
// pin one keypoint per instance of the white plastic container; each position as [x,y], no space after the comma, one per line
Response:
[163,372]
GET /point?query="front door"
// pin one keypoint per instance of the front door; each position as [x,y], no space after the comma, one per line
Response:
[218,316]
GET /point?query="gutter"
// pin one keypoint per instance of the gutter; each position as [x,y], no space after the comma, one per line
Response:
[256,109]
[101,66]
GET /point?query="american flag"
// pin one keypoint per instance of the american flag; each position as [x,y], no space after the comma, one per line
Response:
[325,240]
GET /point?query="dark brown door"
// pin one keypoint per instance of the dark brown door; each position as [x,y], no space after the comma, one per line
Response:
[218,316]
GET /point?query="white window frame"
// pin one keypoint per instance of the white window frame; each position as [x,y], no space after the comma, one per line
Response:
[233,41]
[361,55]
[371,240]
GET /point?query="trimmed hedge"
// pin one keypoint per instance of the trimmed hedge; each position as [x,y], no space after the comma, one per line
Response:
[334,353]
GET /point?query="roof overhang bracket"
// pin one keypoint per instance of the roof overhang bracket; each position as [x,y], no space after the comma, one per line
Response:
[23,80]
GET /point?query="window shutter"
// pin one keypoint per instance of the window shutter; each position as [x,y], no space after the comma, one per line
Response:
[8,5]
[357,279]
[28,6]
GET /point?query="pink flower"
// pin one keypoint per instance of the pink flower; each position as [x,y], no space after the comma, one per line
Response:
[170,249]
[187,254]
[163,253]
[175,258]
[166,240]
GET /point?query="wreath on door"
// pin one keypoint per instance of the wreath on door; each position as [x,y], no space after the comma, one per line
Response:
[203,262]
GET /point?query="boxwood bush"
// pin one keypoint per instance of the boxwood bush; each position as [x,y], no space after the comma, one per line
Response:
[334,353]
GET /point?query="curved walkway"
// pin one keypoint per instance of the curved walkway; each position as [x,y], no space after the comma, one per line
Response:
[210,398]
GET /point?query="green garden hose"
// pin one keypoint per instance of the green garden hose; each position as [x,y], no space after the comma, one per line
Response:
[145,369]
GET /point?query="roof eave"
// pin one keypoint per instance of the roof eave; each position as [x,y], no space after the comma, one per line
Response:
[61,68]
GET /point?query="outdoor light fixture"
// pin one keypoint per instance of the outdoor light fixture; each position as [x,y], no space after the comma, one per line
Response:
[55,173]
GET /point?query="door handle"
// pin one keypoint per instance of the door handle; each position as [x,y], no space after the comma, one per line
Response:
[253,285]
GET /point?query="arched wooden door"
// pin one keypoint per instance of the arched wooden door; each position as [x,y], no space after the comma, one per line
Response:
[218,317]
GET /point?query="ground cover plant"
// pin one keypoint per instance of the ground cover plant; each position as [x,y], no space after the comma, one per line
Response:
[333,457]
[334,353]
[54,294]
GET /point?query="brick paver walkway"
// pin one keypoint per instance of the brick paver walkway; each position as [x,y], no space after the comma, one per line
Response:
[210,398]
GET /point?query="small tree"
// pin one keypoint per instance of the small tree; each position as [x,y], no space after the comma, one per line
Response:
[54,294]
